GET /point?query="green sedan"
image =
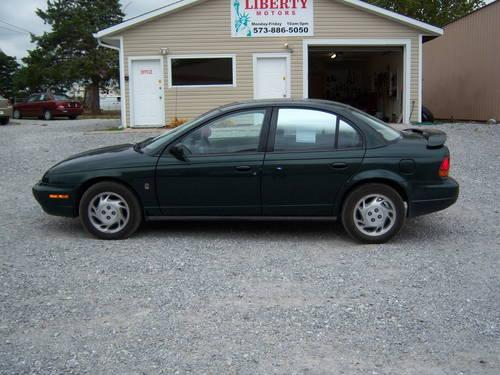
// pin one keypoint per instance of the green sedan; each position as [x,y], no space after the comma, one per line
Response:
[260,160]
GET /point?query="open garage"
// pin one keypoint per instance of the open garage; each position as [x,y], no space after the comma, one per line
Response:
[368,78]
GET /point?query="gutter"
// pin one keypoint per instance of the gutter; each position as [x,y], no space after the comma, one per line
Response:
[102,44]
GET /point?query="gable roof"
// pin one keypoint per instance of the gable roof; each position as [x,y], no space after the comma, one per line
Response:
[174,5]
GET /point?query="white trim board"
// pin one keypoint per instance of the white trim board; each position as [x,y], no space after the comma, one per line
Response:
[406,43]
[123,95]
[131,89]
[174,5]
[199,56]
[287,56]
[420,77]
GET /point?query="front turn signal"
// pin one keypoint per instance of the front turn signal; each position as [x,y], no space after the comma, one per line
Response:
[59,196]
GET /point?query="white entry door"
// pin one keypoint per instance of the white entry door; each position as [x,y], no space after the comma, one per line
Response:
[147,93]
[271,77]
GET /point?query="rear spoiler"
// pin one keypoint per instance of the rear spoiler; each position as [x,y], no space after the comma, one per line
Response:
[435,138]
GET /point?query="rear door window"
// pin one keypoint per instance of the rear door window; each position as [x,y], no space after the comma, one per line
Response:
[300,129]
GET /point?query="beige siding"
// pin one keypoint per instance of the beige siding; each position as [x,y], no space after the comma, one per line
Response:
[205,29]
[461,68]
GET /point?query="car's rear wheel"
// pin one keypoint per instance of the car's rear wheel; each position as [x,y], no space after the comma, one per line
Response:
[47,115]
[4,120]
[373,213]
[110,211]
[17,114]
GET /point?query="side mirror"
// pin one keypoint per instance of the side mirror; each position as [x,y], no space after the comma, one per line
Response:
[179,151]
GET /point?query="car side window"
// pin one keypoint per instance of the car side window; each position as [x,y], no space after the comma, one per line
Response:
[305,130]
[234,133]
[348,136]
[33,98]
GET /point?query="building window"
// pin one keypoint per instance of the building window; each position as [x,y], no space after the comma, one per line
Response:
[202,71]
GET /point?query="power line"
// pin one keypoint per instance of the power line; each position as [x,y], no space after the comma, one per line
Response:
[17,27]
[15,31]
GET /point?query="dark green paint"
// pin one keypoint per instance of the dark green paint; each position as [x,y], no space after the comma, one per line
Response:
[263,183]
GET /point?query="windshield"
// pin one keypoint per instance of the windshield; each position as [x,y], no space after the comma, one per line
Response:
[388,133]
[61,97]
[154,143]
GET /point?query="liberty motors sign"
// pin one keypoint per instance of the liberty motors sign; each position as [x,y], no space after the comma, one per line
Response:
[260,18]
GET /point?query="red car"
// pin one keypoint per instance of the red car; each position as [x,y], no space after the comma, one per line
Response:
[48,106]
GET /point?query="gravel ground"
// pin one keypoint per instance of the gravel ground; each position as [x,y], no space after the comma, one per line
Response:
[246,298]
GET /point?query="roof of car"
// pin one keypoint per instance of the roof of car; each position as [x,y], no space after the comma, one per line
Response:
[282,102]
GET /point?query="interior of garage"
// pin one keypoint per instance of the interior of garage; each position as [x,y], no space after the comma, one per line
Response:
[368,78]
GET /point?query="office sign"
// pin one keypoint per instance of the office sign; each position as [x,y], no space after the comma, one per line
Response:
[266,18]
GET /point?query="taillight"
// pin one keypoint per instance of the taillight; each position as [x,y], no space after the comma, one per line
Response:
[444,169]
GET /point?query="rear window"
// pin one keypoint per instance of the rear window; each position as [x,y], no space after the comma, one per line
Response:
[388,133]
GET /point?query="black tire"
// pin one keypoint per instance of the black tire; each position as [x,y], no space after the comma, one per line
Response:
[4,120]
[47,115]
[17,114]
[365,191]
[134,208]
[73,117]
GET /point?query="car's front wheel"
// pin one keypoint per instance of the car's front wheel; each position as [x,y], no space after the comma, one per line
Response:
[17,114]
[110,211]
[4,120]
[373,213]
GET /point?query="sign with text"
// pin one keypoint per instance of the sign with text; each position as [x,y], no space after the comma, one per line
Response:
[261,18]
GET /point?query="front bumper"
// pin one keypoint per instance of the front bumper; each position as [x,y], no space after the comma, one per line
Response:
[58,207]
[434,198]
[67,112]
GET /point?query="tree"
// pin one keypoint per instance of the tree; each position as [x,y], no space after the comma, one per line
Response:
[69,52]
[434,12]
[8,69]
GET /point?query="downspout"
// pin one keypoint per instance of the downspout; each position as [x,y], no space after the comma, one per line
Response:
[123,116]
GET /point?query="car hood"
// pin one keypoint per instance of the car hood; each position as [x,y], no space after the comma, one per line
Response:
[119,156]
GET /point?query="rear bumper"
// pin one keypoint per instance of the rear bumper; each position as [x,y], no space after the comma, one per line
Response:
[57,207]
[434,198]
[5,112]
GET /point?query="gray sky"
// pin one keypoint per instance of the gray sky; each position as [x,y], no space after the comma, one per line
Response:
[20,14]
[15,41]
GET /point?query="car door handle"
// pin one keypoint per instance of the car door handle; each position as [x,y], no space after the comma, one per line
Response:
[243,168]
[339,166]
